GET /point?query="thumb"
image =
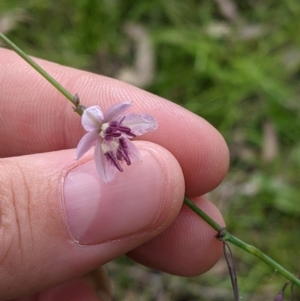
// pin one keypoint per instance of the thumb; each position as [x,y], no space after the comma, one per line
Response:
[59,221]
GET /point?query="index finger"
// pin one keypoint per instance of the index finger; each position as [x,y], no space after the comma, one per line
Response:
[37,118]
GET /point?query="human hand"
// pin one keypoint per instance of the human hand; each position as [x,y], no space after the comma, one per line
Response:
[59,222]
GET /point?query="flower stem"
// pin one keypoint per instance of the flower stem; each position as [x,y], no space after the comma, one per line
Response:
[248,248]
[41,71]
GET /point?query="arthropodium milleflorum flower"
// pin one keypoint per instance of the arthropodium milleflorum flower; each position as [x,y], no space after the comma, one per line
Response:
[110,133]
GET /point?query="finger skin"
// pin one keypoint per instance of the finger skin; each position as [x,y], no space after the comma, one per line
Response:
[79,289]
[37,118]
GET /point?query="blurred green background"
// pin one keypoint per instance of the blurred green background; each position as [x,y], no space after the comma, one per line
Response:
[234,62]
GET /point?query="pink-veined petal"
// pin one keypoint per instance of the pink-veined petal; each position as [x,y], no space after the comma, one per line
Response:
[92,118]
[133,152]
[86,142]
[140,123]
[105,170]
[116,110]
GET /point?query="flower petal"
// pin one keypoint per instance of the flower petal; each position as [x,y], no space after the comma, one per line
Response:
[116,110]
[92,118]
[86,142]
[140,124]
[105,170]
[133,152]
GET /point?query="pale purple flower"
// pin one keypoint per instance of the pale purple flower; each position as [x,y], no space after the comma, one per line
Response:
[110,133]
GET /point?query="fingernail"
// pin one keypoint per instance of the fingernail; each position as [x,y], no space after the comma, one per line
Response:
[97,212]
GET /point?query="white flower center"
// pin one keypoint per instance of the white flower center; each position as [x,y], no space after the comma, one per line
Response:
[115,145]
[105,148]
[103,128]
[112,146]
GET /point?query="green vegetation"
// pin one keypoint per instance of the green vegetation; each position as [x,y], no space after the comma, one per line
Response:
[238,70]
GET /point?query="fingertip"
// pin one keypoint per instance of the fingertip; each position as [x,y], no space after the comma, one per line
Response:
[188,247]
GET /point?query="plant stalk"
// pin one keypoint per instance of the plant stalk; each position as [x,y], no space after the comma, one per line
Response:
[239,243]
[41,71]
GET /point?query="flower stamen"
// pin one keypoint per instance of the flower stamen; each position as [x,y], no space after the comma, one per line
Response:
[113,160]
[110,133]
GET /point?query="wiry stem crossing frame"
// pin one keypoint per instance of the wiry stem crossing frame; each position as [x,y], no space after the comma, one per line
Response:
[239,243]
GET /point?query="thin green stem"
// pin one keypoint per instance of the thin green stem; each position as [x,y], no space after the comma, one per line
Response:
[202,214]
[262,256]
[41,71]
[239,243]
